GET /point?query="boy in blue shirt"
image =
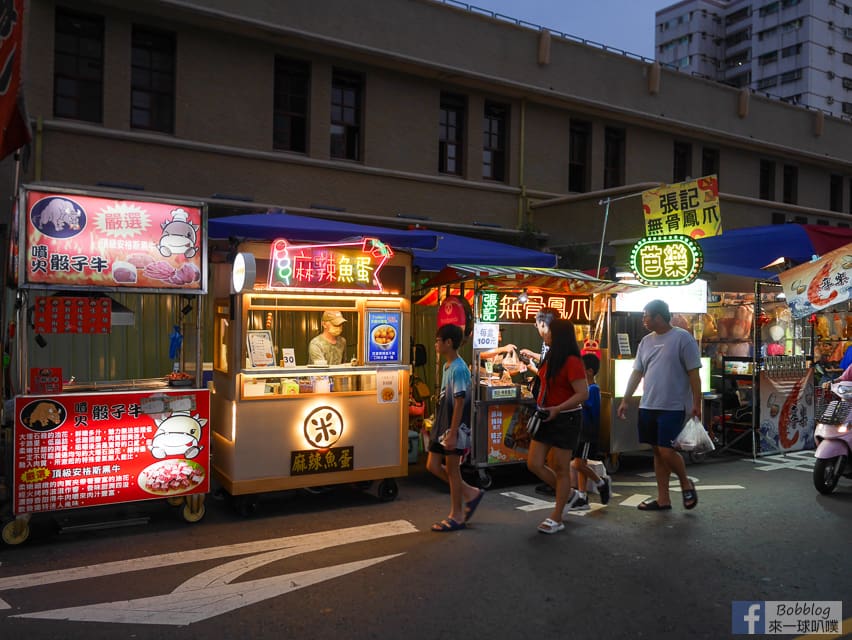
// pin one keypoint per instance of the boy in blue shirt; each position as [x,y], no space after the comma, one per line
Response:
[581,472]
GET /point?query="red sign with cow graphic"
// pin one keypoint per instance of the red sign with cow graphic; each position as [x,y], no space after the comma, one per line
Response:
[105,243]
[82,450]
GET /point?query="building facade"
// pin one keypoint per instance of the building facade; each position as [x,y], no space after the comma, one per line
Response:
[797,50]
[403,112]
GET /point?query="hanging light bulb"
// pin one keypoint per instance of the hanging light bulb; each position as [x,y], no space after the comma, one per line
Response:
[523,297]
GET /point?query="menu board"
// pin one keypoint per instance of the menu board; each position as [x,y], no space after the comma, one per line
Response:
[63,314]
[83,450]
[260,349]
[84,241]
[383,336]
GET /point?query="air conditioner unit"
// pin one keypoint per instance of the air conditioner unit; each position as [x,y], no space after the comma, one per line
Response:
[830,75]
[829,100]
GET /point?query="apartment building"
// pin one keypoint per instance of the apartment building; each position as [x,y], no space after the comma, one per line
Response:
[404,111]
[797,50]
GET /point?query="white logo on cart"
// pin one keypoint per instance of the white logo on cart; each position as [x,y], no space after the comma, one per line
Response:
[323,427]
[178,434]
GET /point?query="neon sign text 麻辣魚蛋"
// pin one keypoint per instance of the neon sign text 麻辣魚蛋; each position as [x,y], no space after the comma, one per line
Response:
[342,266]
[666,260]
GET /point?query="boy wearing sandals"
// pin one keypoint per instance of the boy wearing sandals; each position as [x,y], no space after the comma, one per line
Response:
[451,432]
[668,361]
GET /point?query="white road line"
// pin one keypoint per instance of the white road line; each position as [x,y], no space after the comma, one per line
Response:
[337,537]
[593,506]
[533,504]
[633,500]
[186,606]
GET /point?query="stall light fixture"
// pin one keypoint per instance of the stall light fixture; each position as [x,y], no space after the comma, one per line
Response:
[523,297]
[623,274]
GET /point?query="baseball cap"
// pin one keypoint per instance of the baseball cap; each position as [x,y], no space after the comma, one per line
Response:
[334,317]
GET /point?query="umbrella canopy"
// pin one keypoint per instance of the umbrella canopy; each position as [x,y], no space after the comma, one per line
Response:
[454,249]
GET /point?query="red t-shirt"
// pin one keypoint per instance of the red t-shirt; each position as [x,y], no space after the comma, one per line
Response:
[560,389]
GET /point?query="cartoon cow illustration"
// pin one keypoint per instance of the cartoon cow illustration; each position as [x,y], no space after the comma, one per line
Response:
[179,235]
[177,434]
[60,213]
[46,415]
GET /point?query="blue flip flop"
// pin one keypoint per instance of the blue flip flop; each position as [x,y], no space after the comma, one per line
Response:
[471,506]
[447,524]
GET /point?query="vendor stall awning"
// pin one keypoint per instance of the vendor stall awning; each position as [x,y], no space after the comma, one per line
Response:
[270,226]
[453,249]
[742,252]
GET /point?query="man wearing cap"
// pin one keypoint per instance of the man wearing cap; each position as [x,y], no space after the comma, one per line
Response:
[329,347]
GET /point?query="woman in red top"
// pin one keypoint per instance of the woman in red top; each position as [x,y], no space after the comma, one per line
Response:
[563,391]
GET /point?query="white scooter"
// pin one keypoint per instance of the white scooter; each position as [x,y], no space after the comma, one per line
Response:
[834,440]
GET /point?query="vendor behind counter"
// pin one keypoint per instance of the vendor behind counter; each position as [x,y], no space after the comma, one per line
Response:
[329,347]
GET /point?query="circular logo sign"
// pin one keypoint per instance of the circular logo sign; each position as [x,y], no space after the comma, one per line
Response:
[43,415]
[58,217]
[666,260]
[323,427]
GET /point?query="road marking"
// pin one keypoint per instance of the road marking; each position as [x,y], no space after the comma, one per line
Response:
[634,500]
[533,504]
[797,461]
[593,506]
[298,544]
[189,604]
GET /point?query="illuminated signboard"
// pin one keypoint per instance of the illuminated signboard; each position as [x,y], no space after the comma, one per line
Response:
[343,266]
[666,260]
[93,242]
[504,307]
[686,208]
[83,450]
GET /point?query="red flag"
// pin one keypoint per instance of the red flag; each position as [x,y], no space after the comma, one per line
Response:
[14,128]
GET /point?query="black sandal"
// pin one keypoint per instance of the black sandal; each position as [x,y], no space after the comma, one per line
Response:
[653,505]
[690,498]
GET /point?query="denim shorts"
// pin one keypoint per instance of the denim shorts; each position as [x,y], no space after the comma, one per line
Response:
[659,427]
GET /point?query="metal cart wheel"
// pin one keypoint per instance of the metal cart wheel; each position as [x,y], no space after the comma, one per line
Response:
[485,479]
[16,531]
[194,508]
[612,463]
[175,501]
[388,490]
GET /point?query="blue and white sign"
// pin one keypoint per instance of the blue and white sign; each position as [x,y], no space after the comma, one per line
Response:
[383,336]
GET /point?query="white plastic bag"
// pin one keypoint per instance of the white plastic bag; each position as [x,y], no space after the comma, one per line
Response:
[693,437]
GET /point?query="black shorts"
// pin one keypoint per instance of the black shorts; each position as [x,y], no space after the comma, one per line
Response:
[563,432]
[660,427]
[586,450]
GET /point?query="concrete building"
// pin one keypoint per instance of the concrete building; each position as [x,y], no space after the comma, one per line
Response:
[797,50]
[404,111]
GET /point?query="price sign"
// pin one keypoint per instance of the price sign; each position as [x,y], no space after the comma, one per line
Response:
[624,345]
[485,335]
[288,358]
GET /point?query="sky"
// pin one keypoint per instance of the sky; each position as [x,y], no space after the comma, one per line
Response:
[623,24]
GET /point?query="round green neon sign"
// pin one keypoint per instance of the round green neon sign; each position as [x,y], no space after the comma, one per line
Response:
[666,260]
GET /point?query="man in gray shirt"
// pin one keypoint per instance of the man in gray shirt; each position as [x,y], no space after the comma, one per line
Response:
[668,361]
[329,347]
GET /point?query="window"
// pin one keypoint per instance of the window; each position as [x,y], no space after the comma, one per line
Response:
[835,196]
[847,108]
[579,156]
[738,60]
[792,50]
[791,76]
[791,26]
[709,161]
[494,141]
[786,4]
[451,134]
[767,58]
[614,147]
[682,161]
[346,90]
[78,76]
[768,9]
[767,180]
[847,58]
[766,83]
[290,105]
[736,38]
[736,16]
[791,184]
[767,33]
[847,83]
[779,218]
[152,81]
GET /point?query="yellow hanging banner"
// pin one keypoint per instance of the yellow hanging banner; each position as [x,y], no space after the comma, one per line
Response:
[686,208]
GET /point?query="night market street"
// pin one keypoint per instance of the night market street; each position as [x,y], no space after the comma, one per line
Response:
[343,564]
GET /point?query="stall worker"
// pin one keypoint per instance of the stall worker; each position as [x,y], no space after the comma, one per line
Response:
[329,347]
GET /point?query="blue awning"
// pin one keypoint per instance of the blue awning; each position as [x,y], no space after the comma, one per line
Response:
[454,249]
[270,226]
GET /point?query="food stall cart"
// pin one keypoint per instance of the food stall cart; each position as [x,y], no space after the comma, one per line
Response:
[282,420]
[99,419]
[510,297]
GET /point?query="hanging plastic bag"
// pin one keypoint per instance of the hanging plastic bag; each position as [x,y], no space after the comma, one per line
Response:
[510,362]
[693,437]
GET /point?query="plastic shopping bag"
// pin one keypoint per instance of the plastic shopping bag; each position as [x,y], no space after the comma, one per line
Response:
[693,437]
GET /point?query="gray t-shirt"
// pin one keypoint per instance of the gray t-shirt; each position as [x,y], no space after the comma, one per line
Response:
[322,349]
[664,360]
